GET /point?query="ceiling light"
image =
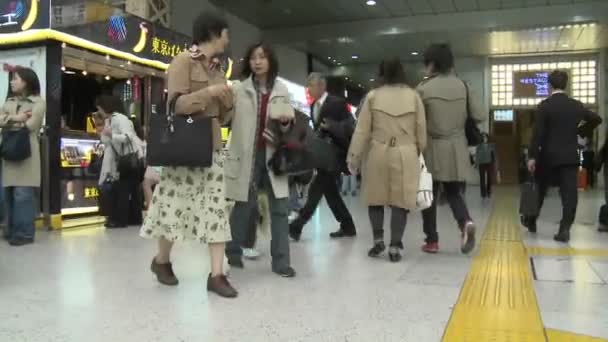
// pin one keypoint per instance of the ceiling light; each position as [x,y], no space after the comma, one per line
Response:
[495,49]
[84,72]
[329,58]
[129,62]
[107,77]
[346,78]
[415,53]
[62,68]
[371,3]
[108,57]
[64,45]
[565,45]
[70,72]
[122,65]
[339,63]
[129,82]
[371,80]
[355,57]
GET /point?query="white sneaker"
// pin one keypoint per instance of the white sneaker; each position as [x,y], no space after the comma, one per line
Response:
[292,216]
[251,253]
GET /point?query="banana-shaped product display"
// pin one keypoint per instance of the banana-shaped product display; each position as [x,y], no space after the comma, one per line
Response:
[31,16]
[143,38]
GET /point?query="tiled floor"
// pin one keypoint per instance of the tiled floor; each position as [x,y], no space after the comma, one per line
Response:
[573,290]
[95,285]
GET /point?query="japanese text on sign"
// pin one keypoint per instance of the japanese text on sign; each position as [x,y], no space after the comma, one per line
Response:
[91,193]
[165,48]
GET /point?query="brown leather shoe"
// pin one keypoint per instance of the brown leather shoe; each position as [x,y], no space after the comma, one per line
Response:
[164,273]
[221,286]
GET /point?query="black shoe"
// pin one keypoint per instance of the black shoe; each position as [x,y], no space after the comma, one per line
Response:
[375,251]
[346,230]
[295,231]
[112,225]
[529,223]
[237,263]
[20,242]
[562,236]
[287,272]
[394,254]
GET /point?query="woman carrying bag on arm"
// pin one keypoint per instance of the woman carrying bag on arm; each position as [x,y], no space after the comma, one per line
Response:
[189,203]
[22,114]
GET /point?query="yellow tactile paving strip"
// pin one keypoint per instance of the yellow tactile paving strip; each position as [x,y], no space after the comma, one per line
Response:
[562,336]
[567,251]
[497,301]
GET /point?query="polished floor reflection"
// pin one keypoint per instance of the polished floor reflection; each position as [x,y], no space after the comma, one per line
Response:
[95,285]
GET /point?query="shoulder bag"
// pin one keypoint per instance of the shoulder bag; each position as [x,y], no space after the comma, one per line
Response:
[15,144]
[179,140]
[129,163]
[472,132]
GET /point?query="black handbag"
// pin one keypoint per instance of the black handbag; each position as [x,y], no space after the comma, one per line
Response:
[528,204]
[129,165]
[290,162]
[472,132]
[15,144]
[324,153]
[105,199]
[179,140]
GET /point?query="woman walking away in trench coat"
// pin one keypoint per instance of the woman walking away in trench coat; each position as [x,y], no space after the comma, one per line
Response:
[390,133]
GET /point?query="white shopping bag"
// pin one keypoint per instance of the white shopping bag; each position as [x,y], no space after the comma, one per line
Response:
[424,198]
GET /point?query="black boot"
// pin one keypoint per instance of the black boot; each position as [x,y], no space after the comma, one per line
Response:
[562,236]
[378,248]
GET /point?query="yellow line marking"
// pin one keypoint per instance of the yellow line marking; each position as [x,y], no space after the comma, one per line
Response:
[567,251]
[562,336]
[497,302]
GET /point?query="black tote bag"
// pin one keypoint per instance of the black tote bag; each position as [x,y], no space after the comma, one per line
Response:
[179,140]
[15,144]
[528,204]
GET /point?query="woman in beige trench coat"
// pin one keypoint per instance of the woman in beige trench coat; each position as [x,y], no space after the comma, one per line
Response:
[390,133]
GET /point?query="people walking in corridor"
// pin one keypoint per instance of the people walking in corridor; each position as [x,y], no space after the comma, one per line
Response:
[390,135]
[331,120]
[189,203]
[554,156]
[485,159]
[448,103]
[260,100]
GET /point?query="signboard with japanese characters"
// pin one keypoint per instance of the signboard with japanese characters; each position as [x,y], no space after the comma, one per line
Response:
[22,15]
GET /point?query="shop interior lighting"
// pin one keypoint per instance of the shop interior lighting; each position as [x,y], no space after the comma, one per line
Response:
[63,45]
[84,72]
[371,80]
[355,57]
[129,82]
[107,77]
[108,57]
[415,53]
[370,2]
[62,68]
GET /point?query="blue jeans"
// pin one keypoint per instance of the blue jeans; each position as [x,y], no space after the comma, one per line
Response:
[21,211]
[240,218]
[294,198]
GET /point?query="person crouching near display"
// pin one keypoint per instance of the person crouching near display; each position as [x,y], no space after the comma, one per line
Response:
[120,139]
[189,203]
[21,118]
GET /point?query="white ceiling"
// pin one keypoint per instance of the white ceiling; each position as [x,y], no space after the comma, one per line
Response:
[335,30]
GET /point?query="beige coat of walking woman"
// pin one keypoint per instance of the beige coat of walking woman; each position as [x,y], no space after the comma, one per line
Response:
[25,172]
[390,133]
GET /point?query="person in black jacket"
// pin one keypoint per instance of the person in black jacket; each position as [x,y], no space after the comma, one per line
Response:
[332,119]
[553,151]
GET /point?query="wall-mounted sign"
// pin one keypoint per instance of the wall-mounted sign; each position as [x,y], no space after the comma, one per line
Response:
[530,84]
[123,32]
[22,15]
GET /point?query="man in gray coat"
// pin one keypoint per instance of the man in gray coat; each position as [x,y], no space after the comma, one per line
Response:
[448,104]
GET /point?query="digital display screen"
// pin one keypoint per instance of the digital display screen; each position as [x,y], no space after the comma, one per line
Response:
[503,115]
[529,84]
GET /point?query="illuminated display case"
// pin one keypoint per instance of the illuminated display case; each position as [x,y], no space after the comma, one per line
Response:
[79,185]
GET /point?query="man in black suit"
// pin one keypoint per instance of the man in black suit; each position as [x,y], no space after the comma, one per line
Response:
[331,119]
[554,154]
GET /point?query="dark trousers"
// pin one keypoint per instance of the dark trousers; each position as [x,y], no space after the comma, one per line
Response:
[485,180]
[251,235]
[454,196]
[398,223]
[243,212]
[127,203]
[326,184]
[565,177]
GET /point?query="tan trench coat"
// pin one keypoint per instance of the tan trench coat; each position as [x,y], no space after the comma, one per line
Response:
[445,101]
[190,77]
[390,133]
[26,172]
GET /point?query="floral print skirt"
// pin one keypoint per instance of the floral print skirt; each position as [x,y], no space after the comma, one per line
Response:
[189,204]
